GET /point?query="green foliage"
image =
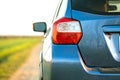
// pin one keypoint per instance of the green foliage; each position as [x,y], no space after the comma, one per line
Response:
[13,52]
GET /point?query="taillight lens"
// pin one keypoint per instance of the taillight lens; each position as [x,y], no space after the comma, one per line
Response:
[66,31]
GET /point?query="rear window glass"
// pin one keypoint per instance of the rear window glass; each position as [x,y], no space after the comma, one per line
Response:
[97,6]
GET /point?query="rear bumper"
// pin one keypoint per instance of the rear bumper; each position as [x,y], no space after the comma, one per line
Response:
[66,64]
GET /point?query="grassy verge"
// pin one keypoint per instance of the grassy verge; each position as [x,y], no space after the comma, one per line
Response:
[13,52]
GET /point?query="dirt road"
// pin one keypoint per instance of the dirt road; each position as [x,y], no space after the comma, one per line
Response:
[30,69]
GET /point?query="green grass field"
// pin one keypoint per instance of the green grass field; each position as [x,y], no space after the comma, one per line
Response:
[13,52]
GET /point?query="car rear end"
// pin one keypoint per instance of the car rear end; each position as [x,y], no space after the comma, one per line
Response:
[83,43]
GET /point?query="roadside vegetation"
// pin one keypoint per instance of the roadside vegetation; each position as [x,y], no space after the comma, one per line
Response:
[13,52]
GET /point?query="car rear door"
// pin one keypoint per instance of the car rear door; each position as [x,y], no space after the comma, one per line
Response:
[100,43]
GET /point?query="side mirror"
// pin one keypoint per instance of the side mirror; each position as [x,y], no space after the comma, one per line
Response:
[40,27]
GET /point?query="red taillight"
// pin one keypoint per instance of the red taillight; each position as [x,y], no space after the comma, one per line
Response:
[66,31]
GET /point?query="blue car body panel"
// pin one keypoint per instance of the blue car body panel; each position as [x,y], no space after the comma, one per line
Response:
[93,46]
[71,66]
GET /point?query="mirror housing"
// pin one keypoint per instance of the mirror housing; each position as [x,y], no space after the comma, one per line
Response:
[40,27]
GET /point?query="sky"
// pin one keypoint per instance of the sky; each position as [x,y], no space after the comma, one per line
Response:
[17,16]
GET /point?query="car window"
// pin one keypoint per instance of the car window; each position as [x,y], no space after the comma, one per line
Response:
[97,6]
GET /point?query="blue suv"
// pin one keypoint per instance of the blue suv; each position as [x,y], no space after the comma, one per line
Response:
[83,42]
